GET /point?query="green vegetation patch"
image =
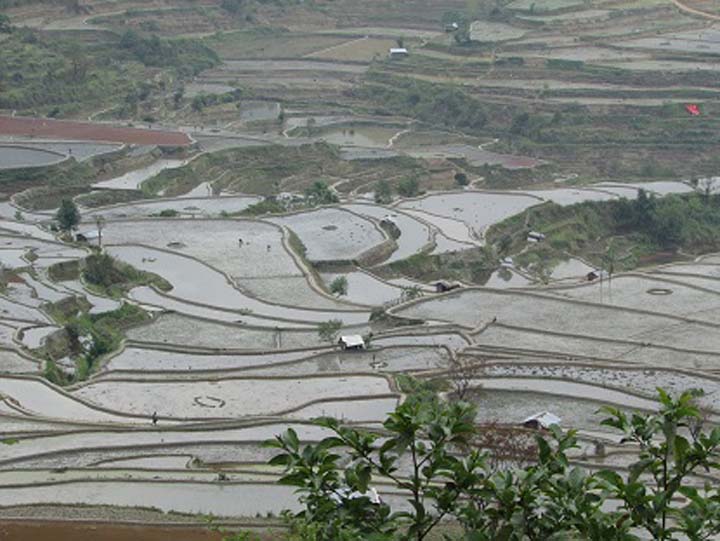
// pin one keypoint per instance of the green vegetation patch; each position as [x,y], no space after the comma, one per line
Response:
[62,76]
[472,266]
[633,232]
[270,170]
[424,101]
[92,336]
[113,278]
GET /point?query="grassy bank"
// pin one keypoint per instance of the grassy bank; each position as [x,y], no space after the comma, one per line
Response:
[622,233]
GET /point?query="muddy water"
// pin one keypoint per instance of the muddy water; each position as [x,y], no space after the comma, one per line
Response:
[360,136]
[67,531]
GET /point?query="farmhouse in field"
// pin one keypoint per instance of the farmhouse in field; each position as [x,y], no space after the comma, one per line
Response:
[351,342]
[442,286]
[534,236]
[87,236]
[596,274]
[541,421]
[399,52]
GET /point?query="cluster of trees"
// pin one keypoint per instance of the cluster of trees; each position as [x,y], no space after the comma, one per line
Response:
[37,71]
[188,57]
[201,101]
[436,104]
[319,193]
[5,25]
[101,270]
[329,330]
[690,221]
[429,452]
[233,6]
[407,187]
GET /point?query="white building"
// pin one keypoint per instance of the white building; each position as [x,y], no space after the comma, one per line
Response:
[353,341]
[542,420]
[399,52]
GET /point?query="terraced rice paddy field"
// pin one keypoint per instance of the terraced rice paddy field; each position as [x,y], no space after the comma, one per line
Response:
[304,157]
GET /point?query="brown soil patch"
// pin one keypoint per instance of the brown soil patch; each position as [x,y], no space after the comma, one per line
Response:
[87,131]
[67,531]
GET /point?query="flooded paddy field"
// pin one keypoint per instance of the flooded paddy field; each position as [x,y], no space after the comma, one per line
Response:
[365,288]
[296,290]
[216,243]
[79,150]
[185,274]
[477,210]
[652,294]
[224,399]
[138,359]
[499,404]
[540,311]
[641,381]
[133,179]
[414,234]
[333,234]
[183,207]
[17,157]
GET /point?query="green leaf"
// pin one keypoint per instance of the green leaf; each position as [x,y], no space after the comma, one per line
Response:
[280,460]
[290,438]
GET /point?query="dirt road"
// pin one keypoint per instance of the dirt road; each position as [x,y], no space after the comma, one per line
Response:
[693,11]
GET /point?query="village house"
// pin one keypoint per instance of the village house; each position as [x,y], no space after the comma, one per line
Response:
[443,286]
[87,236]
[351,342]
[399,52]
[534,236]
[541,421]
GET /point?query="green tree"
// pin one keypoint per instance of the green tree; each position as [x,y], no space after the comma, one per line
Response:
[672,446]
[320,194]
[409,187]
[339,286]
[233,6]
[422,428]
[198,103]
[328,330]
[461,179]
[100,270]
[5,25]
[67,216]
[383,192]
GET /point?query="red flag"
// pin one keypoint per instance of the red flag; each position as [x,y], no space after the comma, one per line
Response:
[693,109]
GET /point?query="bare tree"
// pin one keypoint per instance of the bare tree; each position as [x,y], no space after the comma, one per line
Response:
[463,375]
[507,446]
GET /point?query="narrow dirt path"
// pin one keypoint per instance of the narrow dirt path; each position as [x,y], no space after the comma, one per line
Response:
[318,54]
[693,11]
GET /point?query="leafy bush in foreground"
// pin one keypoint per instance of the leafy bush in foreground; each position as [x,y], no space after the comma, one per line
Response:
[425,452]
